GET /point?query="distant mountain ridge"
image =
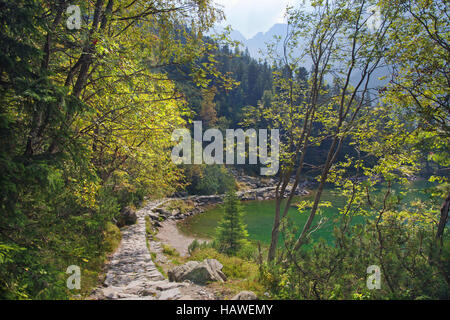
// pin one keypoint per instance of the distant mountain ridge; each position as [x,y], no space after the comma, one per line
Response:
[257,48]
[258,43]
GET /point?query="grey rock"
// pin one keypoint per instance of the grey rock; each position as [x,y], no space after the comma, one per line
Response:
[245,295]
[163,212]
[153,215]
[126,217]
[170,285]
[148,292]
[208,270]
[171,294]
[111,293]
[157,224]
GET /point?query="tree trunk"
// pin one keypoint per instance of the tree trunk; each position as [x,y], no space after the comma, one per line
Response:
[444,217]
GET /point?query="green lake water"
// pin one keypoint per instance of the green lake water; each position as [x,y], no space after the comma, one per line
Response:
[258,215]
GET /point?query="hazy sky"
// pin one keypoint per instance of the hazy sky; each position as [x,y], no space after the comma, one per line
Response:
[253,16]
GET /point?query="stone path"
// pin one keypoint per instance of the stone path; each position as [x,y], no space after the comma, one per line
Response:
[132,275]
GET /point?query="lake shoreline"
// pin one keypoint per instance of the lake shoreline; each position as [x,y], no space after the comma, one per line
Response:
[168,222]
[259,214]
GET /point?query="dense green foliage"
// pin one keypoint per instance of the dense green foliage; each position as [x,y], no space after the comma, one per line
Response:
[412,265]
[208,179]
[86,118]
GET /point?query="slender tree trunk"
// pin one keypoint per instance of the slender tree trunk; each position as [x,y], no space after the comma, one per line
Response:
[444,217]
[276,223]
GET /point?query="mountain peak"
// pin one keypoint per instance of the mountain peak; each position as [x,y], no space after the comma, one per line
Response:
[259,41]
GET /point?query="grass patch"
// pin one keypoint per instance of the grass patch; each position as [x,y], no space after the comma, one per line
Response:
[112,237]
[160,269]
[177,261]
[149,230]
[170,251]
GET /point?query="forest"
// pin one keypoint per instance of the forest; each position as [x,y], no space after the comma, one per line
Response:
[91,92]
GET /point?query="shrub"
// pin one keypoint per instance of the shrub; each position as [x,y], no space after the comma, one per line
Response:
[208,179]
[413,265]
[249,251]
[170,251]
[112,237]
[194,245]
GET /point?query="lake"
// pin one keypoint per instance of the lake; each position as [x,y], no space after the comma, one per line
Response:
[258,215]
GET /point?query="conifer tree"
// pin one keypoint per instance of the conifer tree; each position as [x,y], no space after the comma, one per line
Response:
[231,232]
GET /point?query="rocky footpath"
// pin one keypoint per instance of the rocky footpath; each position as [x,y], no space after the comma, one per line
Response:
[131,274]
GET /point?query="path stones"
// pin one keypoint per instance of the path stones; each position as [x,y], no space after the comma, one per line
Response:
[166,285]
[171,294]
